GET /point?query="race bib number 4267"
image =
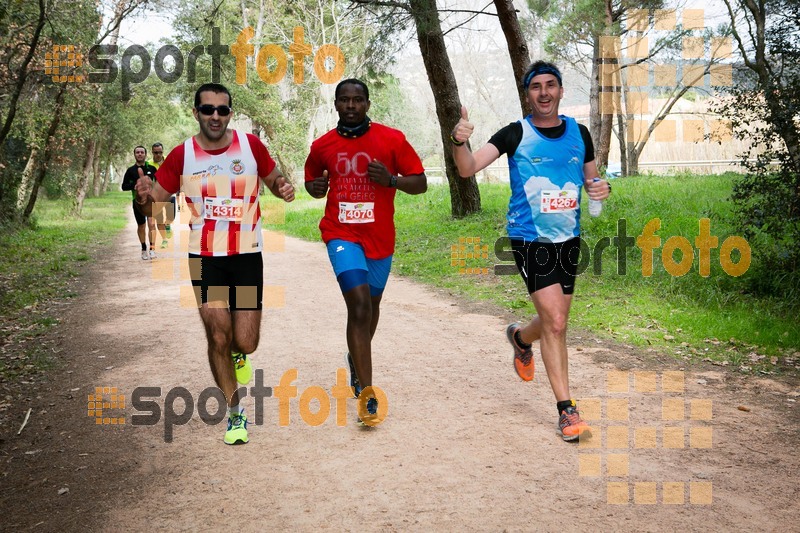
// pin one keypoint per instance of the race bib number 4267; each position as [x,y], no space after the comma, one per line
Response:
[559,201]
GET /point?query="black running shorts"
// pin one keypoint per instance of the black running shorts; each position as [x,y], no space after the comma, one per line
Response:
[140,218]
[542,264]
[234,281]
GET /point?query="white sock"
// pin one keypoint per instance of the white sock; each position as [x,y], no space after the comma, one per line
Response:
[235,410]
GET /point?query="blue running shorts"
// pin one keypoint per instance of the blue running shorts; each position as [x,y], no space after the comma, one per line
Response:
[353,268]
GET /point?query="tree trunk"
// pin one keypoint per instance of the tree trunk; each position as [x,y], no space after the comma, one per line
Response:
[96,182]
[517,47]
[22,74]
[628,142]
[83,182]
[604,136]
[464,194]
[8,195]
[633,161]
[601,121]
[26,184]
[784,121]
[595,84]
[606,122]
[634,144]
[109,167]
[623,153]
[48,151]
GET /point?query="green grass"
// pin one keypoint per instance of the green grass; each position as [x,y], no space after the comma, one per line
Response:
[694,309]
[690,315]
[39,265]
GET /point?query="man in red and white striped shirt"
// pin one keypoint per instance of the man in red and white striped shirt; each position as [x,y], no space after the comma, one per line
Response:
[219,171]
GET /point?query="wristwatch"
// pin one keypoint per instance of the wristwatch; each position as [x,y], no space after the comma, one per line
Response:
[393,181]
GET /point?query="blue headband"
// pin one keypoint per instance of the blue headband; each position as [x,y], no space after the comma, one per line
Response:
[542,69]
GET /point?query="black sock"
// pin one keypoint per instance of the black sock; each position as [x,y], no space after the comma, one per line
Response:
[144,247]
[563,405]
[518,338]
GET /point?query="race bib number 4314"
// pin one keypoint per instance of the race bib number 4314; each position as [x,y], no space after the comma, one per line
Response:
[356,213]
[229,209]
[559,201]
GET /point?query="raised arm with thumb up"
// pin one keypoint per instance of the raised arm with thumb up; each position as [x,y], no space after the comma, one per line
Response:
[318,187]
[463,130]
[143,186]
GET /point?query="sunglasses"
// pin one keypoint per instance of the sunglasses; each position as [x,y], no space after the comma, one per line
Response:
[208,110]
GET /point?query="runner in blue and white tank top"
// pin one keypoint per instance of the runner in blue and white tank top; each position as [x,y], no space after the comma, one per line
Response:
[550,158]
[546,177]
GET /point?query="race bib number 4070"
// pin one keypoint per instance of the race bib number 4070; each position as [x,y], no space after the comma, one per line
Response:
[356,213]
[559,201]
[229,209]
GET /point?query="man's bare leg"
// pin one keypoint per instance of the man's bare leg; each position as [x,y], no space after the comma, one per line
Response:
[550,325]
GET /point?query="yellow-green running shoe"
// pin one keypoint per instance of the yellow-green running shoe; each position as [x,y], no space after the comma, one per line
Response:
[244,370]
[237,429]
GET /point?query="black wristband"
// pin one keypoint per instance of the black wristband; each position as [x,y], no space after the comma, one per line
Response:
[393,181]
[456,142]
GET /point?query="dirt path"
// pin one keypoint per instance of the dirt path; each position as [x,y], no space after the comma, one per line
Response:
[466,445]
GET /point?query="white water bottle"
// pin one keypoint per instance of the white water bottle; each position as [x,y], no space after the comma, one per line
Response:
[595,206]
